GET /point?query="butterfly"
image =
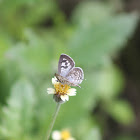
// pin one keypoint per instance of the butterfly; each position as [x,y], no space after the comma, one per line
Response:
[68,73]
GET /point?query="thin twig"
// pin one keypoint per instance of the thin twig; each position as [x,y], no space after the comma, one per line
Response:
[53,121]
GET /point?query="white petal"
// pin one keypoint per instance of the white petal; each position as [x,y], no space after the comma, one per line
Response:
[64,97]
[56,135]
[71,138]
[54,80]
[67,97]
[71,92]
[51,91]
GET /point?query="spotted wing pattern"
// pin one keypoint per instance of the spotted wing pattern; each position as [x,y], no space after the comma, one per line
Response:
[65,64]
[68,73]
[75,76]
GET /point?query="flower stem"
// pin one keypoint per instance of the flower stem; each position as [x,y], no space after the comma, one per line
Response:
[53,121]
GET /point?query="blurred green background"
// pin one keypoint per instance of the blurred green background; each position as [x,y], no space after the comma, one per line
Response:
[102,37]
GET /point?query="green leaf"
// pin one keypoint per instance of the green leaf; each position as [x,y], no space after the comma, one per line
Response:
[109,82]
[94,133]
[4,46]
[96,41]
[100,11]
[121,111]
[17,119]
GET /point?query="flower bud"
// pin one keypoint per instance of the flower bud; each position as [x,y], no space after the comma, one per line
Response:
[57,99]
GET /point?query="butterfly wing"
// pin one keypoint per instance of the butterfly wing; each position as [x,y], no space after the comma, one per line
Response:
[66,63]
[75,76]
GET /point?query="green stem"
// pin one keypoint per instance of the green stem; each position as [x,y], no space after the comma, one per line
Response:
[53,121]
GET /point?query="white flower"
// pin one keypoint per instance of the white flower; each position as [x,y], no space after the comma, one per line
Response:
[62,135]
[56,135]
[61,91]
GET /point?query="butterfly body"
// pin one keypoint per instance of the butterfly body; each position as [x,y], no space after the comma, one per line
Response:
[64,80]
[68,73]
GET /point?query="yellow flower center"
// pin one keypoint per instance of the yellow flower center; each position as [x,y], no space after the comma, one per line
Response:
[65,134]
[61,89]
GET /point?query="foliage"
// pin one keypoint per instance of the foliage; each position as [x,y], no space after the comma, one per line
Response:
[18,112]
[29,53]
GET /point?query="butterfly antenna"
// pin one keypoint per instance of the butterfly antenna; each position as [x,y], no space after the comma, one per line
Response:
[78,86]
